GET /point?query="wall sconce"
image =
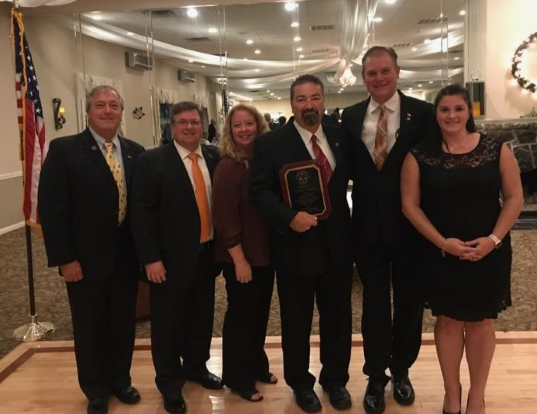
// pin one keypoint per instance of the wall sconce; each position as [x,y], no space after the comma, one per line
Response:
[59,111]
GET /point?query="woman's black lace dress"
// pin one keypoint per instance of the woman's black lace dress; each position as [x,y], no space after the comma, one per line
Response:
[460,194]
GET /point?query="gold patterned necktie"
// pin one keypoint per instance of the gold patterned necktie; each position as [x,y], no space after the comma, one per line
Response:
[380,151]
[201,198]
[115,168]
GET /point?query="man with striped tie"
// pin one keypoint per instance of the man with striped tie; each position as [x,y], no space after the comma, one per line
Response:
[83,203]
[383,128]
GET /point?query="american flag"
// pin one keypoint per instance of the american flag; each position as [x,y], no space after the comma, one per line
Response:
[31,122]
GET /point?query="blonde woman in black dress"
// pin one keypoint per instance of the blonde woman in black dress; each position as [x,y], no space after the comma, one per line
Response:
[461,190]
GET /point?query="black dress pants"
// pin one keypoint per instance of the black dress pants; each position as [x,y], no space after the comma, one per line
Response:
[389,342]
[182,326]
[103,314]
[332,292]
[245,327]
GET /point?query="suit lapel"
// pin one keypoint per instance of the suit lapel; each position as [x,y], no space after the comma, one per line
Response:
[210,160]
[400,144]
[359,142]
[294,142]
[179,168]
[92,150]
[128,158]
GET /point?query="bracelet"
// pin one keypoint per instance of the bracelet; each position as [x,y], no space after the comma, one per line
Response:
[442,251]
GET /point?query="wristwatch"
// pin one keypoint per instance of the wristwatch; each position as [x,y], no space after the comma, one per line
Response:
[496,240]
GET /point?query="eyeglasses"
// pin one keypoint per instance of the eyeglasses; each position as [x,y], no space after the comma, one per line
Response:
[184,123]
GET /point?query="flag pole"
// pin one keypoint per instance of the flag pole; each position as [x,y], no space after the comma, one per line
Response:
[34,330]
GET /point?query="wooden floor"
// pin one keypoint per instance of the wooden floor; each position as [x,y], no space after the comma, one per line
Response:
[41,378]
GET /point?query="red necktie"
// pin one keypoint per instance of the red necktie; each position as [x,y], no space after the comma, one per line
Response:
[321,159]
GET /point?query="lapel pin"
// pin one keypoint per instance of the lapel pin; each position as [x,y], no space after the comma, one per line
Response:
[129,157]
[337,144]
[94,148]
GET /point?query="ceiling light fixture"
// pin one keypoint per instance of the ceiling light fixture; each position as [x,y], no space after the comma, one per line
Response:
[249,42]
[130,34]
[96,16]
[190,61]
[462,13]
[299,49]
[213,30]
[377,19]
[431,81]
[192,12]
[414,49]
[294,24]
[301,57]
[257,52]
[420,85]
[290,6]
[257,70]
[390,1]
[456,58]
[297,39]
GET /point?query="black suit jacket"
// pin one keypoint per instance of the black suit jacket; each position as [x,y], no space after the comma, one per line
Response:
[311,252]
[165,219]
[78,205]
[376,195]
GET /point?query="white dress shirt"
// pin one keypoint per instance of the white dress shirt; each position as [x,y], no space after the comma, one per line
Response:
[369,131]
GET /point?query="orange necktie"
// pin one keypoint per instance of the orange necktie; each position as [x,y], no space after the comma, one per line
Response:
[380,151]
[201,198]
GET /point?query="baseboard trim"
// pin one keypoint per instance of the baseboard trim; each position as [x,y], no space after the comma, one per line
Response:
[12,227]
[9,176]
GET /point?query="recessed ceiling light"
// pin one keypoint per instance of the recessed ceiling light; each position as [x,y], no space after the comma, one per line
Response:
[431,81]
[290,6]
[257,70]
[249,42]
[410,88]
[390,1]
[203,66]
[257,52]
[190,61]
[213,30]
[420,85]
[427,41]
[338,91]
[130,34]
[272,94]
[294,24]
[462,13]
[279,98]
[377,19]
[297,39]
[414,49]
[191,12]
[299,49]
[456,58]
[268,90]
[96,16]
[244,58]
[301,56]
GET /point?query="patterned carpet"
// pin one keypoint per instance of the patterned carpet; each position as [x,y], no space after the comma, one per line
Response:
[52,305]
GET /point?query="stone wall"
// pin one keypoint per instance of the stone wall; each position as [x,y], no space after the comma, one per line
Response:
[520,135]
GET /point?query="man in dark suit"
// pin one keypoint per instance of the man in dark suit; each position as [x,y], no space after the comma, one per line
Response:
[383,129]
[172,228]
[83,205]
[311,256]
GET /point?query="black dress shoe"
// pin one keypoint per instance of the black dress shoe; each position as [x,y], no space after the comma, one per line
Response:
[98,406]
[174,404]
[308,401]
[403,392]
[374,397]
[339,397]
[129,395]
[209,381]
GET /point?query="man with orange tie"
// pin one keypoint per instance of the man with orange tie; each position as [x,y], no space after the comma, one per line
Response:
[383,128]
[172,228]
[311,254]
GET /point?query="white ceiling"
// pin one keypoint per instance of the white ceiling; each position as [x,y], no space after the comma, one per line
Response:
[268,25]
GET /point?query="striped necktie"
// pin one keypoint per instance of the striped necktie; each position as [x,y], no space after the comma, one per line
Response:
[380,151]
[321,159]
